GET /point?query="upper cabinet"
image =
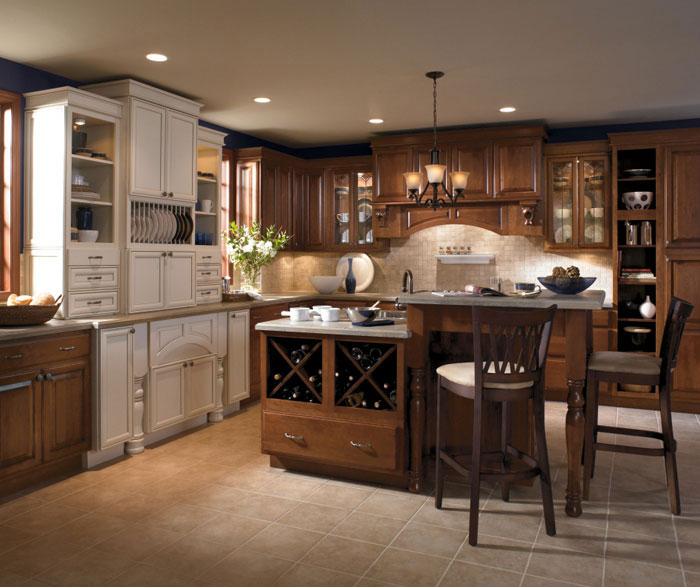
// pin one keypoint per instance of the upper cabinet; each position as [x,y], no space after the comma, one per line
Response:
[517,164]
[578,195]
[682,164]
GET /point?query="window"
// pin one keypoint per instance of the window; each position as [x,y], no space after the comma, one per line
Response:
[10,147]
[226,208]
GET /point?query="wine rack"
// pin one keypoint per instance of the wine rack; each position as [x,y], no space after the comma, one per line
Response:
[295,371]
[365,375]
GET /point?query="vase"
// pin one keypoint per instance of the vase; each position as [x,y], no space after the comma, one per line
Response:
[84,218]
[251,281]
[350,281]
[647,309]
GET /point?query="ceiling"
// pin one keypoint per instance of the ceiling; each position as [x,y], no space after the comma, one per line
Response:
[330,65]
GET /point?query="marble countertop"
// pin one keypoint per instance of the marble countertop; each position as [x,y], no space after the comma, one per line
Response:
[587,300]
[341,328]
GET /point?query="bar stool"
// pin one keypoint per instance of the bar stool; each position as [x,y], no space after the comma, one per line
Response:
[634,368]
[510,352]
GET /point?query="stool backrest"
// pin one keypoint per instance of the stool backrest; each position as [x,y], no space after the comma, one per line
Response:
[678,312]
[516,343]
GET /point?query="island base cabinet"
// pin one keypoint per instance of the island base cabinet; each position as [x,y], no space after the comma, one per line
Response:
[20,423]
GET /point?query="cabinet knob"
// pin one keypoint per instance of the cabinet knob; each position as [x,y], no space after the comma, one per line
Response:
[184,364]
[40,377]
[163,254]
[191,363]
[132,330]
[170,194]
[170,253]
[164,194]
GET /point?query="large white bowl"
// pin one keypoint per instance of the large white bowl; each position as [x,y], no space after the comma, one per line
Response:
[325,284]
[88,236]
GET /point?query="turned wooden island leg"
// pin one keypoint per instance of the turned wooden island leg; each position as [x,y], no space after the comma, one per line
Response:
[417,427]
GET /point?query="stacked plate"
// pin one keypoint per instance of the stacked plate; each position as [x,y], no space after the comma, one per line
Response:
[160,224]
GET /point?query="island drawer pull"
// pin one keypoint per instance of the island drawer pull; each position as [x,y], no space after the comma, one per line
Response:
[95,257]
[292,437]
[360,445]
[97,277]
[12,357]
[67,348]
[95,303]
[205,273]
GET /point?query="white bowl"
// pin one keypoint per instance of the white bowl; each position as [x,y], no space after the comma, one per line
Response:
[637,200]
[325,284]
[88,236]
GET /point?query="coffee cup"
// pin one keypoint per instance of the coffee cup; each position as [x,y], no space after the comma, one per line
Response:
[300,314]
[206,205]
[343,217]
[316,311]
[527,287]
[330,314]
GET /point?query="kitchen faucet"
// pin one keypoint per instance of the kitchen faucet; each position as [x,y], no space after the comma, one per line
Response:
[407,283]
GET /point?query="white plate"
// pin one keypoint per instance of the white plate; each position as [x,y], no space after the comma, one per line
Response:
[362,268]
[137,234]
[173,226]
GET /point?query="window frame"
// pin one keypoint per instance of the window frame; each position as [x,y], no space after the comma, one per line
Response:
[11,194]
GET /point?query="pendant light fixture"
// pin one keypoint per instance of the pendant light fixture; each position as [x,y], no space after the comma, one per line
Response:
[435,171]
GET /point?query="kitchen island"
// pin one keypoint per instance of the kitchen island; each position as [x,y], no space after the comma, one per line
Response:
[428,314]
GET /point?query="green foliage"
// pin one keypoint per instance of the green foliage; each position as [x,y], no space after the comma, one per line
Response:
[250,248]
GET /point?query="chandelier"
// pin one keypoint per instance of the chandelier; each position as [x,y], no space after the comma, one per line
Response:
[435,171]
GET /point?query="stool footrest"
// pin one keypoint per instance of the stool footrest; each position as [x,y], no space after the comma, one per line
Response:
[630,432]
[493,466]
[632,450]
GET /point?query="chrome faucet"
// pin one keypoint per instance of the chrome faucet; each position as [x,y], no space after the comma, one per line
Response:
[407,283]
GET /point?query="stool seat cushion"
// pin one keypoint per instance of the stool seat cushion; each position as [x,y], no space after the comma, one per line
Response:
[463,374]
[618,362]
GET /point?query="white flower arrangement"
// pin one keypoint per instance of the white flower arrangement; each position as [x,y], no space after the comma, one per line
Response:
[250,250]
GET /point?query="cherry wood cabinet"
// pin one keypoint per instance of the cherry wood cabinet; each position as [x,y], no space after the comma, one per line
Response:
[389,166]
[20,423]
[517,168]
[257,315]
[315,210]
[477,158]
[682,163]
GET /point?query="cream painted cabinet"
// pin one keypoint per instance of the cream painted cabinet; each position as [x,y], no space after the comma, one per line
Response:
[161,279]
[163,152]
[166,395]
[238,357]
[200,384]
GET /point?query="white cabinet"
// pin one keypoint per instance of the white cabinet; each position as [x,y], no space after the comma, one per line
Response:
[238,360]
[161,279]
[163,152]
[200,383]
[115,397]
[165,397]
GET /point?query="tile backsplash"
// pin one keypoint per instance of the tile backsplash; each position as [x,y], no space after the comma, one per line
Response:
[517,258]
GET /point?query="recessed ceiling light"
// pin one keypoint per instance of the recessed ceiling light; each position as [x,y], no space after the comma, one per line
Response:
[507,109]
[156,57]
[376,121]
[79,122]
[262,100]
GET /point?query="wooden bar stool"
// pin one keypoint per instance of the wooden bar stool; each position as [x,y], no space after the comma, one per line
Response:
[634,368]
[510,351]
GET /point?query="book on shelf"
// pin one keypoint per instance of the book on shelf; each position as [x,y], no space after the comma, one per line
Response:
[641,273]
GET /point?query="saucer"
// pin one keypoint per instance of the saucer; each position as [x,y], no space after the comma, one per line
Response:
[524,294]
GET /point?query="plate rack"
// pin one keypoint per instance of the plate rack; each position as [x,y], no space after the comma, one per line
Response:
[161,224]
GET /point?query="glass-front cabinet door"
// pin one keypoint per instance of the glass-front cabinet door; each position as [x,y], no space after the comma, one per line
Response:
[365,192]
[342,213]
[562,209]
[352,196]
[594,209]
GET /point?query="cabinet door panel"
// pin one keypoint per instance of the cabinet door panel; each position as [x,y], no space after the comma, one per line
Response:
[182,155]
[683,200]
[66,410]
[165,398]
[517,168]
[389,166]
[146,270]
[179,280]
[20,423]
[201,383]
[477,159]
[116,391]
[148,122]
[283,201]
[420,218]
[248,191]
[312,207]
[238,360]
[260,315]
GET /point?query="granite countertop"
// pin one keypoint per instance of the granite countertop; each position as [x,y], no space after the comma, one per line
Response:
[340,328]
[587,300]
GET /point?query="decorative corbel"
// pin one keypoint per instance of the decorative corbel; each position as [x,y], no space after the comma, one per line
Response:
[380,215]
[528,211]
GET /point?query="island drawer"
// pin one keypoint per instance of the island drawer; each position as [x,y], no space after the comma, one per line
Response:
[43,352]
[343,443]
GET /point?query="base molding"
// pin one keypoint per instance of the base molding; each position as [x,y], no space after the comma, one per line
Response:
[71,464]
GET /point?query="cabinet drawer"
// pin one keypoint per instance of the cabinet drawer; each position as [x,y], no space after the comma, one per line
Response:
[208,273]
[92,257]
[207,294]
[44,352]
[96,277]
[103,302]
[207,258]
[338,442]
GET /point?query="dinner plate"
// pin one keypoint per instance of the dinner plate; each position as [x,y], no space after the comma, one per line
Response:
[172,226]
[362,268]
[157,228]
[523,294]
[190,227]
[147,227]
[139,227]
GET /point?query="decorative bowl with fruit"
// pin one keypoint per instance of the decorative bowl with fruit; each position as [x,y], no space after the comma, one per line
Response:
[29,310]
[567,281]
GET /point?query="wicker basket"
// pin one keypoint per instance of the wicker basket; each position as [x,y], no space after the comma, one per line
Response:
[235,297]
[27,315]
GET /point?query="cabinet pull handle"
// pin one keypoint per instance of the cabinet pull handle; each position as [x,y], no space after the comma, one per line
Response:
[97,277]
[292,437]
[67,348]
[206,257]
[191,363]
[360,445]
[95,257]
[49,377]
[184,364]
[206,293]
[132,330]
[205,273]
[12,357]
[40,378]
[95,303]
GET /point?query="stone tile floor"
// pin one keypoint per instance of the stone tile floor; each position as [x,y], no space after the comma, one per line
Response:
[206,509]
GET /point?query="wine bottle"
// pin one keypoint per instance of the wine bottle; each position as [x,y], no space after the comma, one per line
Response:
[377,404]
[277,376]
[392,396]
[305,347]
[356,353]
[296,393]
[366,363]
[375,353]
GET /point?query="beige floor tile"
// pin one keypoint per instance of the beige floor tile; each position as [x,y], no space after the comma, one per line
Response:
[687,529]
[228,529]
[180,517]
[34,557]
[634,522]
[690,556]
[247,568]
[434,540]
[90,529]
[342,554]
[460,574]
[57,490]
[12,537]
[493,551]
[93,497]
[284,541]
[290,487]
[633,574]
[510,523]
[340,496]
[134,481]
[309,576]
[574,536]
[691,579]
[174,488]
[205,472]
[11,507]
[215,497]
[88,568]
[566,565]
[368,527]
[311,516]
[401,567]
[45,518]
[140,575]
[449,516]
[533,581]
[263,507]
[191,555]
[252,479]
[399,506]
[135,508]
[8,579]
[138,541]
[641,548]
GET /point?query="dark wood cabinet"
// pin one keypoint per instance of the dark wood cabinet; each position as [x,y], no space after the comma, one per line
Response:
[682,163]
[389,166]
[257,315]
[517,165]
[315,210]
[20,423]
[476,158]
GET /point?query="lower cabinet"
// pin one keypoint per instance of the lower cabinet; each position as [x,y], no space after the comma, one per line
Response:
[238,357]
[261,314]
[20,423]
